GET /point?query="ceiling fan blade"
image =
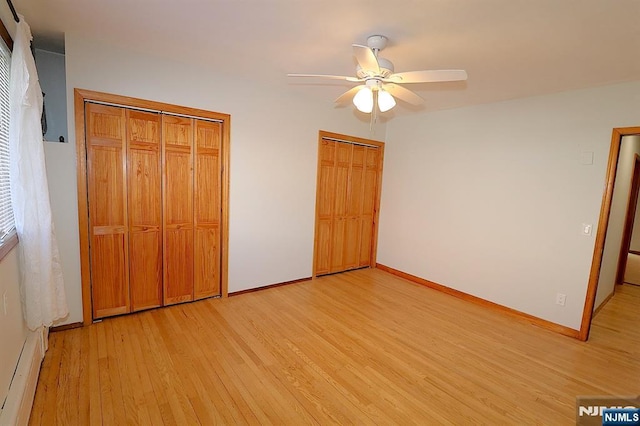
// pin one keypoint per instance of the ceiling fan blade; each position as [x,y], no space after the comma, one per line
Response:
[366,58]
[403,94]
[333,77]
[346,96]
[432,76]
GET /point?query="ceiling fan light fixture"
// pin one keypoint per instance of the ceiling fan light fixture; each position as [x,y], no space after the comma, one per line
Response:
[380,86]
[363,100]
[385,101]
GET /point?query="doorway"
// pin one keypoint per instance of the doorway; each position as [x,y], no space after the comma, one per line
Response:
[603,228]
[629,257]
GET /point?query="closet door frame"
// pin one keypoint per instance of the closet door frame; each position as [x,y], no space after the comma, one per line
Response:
[80,97]
[337,137]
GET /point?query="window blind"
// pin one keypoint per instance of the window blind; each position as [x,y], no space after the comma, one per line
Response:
[6,212]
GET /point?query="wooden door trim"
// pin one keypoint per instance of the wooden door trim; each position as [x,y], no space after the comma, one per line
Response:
[323,134]
[83,207]
[80,97]
[627,232]
[376,211]
[603,224]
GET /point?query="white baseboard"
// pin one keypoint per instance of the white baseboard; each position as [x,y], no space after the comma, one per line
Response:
[17,407]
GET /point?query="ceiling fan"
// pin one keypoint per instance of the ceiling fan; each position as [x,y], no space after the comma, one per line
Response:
[380,85]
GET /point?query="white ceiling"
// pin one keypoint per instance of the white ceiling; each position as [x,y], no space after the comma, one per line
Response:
[510,48]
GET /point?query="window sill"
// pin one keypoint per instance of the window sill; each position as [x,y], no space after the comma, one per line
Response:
[8,244]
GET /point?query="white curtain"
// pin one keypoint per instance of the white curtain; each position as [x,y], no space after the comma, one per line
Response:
[41,284]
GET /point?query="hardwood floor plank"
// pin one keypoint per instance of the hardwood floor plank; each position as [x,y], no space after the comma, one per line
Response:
[165,384]
[51,388]
[137,348]
[205,367]
[37,410]
[332,362]
[132,390]
[83,381]
[68,385]
[362,347]
[95,400]
[108,376]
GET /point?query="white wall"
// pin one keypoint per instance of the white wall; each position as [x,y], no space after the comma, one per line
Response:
[273,157]
[62,194]
[629,147]
[13,330]
[489,200]
[52,77]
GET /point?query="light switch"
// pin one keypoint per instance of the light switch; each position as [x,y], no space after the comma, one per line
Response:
[586,158]
[587,228]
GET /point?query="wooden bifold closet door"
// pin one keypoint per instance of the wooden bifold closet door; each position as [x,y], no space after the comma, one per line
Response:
[192,223]
[145,209]
[207,208]
[108,227]
[346,204]
[177,140]
[154,201]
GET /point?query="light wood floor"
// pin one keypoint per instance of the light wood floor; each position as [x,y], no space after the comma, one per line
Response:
[363,347]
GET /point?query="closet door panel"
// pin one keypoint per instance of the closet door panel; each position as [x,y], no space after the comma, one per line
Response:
[366,234]
[207,202]
[337,245]
[370,190]
[207,208]
[343,163]
[351,249]
[207,263]
[145,185]
[178,268]
[343,160]
[144,210]
[143,128]
[371,181]
[108,273]
[356,182]
[325,201]
[354,208]
[177,131]
[106,170]
[178,209]
[145,264]
[179,188]
[326,180]
[178,250]
[106,186]
[323,247]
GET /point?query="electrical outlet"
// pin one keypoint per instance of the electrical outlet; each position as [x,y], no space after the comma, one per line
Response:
[561,299]
[4,302]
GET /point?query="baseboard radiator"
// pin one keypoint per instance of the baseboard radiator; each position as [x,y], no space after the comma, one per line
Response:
[17,407]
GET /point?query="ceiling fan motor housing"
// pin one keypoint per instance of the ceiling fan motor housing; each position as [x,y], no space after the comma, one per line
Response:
[377,42]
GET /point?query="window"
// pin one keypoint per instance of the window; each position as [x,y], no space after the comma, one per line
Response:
[6,213]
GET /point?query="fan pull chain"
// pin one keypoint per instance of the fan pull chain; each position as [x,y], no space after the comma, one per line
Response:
[374,113]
